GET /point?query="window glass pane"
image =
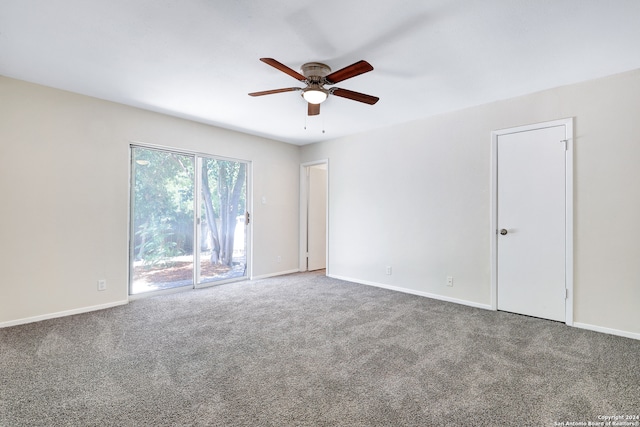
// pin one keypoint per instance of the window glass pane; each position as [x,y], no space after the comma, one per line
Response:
[223,226]
[162,220]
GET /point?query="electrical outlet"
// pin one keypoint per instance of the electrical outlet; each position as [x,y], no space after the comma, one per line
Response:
[449,280]
[388,270]
[102,285]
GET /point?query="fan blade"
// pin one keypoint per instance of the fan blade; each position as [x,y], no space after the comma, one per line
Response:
[280,66]
[313,110]
[269,92]
[356,96]
[352,70]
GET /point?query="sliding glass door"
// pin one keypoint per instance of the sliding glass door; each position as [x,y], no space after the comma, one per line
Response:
[223,219]
[162,220]
[188,220]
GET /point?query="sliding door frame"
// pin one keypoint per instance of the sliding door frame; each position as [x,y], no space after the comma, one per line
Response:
[197,158]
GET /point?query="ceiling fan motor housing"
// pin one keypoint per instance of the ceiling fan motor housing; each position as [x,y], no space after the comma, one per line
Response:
[315,72]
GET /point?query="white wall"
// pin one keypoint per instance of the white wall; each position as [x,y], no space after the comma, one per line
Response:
[416,197]
[64,196]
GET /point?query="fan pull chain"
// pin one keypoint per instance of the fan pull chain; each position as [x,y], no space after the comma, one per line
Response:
[306,117]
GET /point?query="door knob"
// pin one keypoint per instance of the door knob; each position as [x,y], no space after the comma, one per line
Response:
[504,231]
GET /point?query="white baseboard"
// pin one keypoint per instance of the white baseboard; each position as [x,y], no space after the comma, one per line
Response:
[280,273]
[626,334]
[414,292]
[61,314]
[610,331]
[595,328]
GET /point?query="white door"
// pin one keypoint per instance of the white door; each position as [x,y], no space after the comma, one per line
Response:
[531,228]
[317,218]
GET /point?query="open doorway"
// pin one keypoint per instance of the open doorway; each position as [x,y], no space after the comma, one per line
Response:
[314,196]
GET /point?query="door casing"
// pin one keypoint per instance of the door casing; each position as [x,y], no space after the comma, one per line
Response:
[302,265]
[568,124]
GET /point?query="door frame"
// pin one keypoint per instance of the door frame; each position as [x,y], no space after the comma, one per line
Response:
[568,124]
[304,195]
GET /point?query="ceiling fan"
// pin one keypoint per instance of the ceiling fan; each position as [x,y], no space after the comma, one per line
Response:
[316,75]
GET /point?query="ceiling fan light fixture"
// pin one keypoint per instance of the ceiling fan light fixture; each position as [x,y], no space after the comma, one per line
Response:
[315,95]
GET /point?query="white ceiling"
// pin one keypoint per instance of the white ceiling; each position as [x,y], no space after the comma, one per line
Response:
[198,59]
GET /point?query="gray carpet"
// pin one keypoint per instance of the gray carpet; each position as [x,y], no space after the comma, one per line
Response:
[307,350]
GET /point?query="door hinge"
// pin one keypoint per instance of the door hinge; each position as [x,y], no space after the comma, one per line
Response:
[247,218]
[566,293]
[566,144]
